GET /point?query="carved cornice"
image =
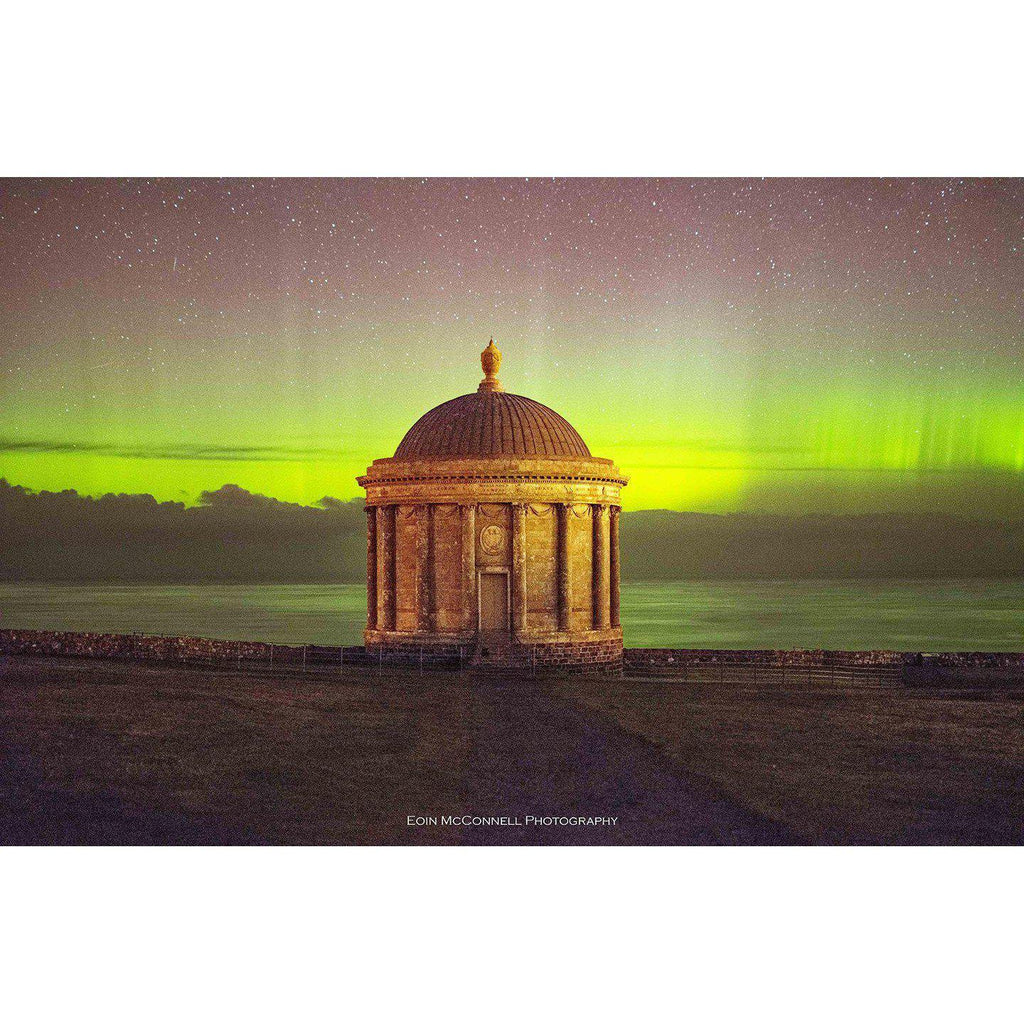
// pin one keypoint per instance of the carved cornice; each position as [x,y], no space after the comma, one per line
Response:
[510,470]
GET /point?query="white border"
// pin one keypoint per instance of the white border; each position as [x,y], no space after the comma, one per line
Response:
[510,935]
[114,89]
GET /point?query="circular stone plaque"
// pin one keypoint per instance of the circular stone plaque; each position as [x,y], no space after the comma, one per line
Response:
[492,540]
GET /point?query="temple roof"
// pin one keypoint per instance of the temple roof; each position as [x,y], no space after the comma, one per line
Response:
[491,423]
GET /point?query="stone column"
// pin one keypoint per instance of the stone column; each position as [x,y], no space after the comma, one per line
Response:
[613,552]
[564,569]
[600,563]
[386,567]
[424,567]
[371,568]
[518,570]
[467,514]
[432,568]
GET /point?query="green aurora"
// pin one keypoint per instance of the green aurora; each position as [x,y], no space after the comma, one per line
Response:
[714,392]
[820,439]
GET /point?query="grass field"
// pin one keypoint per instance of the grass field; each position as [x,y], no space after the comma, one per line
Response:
[879,765]
[103,752]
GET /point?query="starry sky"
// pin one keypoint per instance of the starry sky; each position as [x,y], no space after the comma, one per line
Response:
[779,345]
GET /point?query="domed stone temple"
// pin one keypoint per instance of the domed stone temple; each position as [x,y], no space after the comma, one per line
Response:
[493,529]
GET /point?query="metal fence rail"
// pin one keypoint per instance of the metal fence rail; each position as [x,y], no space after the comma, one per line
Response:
[757,673]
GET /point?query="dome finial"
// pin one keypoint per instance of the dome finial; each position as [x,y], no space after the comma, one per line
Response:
[490,360]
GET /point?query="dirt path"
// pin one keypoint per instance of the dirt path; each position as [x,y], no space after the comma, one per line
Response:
[536,754]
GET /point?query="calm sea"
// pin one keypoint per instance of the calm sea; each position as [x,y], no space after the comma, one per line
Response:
[931,615]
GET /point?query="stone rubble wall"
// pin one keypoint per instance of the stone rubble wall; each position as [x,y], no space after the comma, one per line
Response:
[186,650]
[178,649]
[600,655]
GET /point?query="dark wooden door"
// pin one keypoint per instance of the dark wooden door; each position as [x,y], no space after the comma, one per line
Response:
[493,602]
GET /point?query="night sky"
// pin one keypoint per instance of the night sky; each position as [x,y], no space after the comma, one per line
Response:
[735,345]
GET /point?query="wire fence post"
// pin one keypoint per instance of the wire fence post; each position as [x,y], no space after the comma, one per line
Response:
[341,661]
[303,657]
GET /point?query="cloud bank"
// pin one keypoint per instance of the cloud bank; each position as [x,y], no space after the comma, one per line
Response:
[234,535]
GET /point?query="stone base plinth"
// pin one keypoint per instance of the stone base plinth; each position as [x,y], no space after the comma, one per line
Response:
[594,650]
[603,655]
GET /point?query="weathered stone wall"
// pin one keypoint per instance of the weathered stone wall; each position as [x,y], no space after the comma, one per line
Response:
[957,668]
[202,651]
[183,650]
[835,667]
[599,654]
[587,654]
[640,657]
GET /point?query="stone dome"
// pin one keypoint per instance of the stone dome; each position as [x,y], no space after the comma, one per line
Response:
[492,423]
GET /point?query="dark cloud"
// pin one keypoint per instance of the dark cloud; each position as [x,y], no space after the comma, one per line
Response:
[233,535]
[182,452]
[666,545]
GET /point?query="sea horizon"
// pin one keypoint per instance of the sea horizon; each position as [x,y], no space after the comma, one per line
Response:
[921,615]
